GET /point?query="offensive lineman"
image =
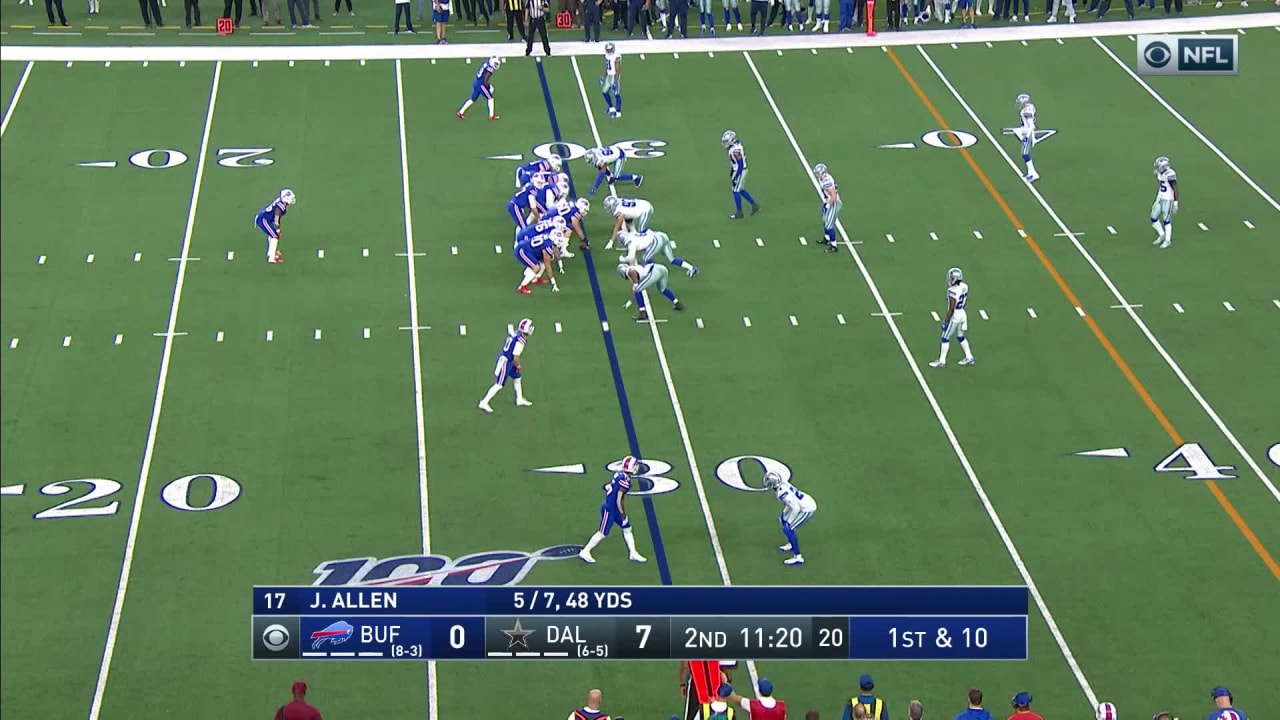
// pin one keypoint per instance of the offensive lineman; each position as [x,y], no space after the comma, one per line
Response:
[647,245]
[1166,204]
[613,511]
[1026,132]
[956,323]
[508,365]
[797,508]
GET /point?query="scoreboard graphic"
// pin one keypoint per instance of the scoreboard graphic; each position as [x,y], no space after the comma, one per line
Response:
[641,623]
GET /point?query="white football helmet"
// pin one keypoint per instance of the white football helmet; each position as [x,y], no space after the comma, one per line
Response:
[288,197]
[610,48]
[772,480]
[562,188]
[495,61]
[819,170]
[525,327]
[1162,164]
[630,465]
[555,162]
[1023,100]
[1107,711]
[611,203]
[591,157]
[954,275]
[624,271]
[584,205]
[728,138]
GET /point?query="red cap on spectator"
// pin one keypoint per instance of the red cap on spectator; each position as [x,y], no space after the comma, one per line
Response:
[299,688]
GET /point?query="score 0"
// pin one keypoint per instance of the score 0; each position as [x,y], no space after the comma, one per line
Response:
[456,638]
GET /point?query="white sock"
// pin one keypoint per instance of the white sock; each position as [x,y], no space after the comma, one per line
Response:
[964,345]
[272,244]
[519,389]
[493,390]
[1168,233]
[630,539]
[491,106]
[942,355]
[529,276]
[593,542]
[1031,168]
[466,105]
[1158,227]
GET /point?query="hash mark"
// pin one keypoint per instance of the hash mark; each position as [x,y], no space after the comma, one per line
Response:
[13,344]
[317,333]
[698,322]
[840,318]
[814,50]
[218,337]
[955,46]
[462,330]
[454,250]
[1080,311]
[779,53]
[759,242]
[1248,224]
[1111,230]
[320,254]
[746,321]
[291,63]
[711,54]
[1228,306]
[1060,42]
[88,258]
[675,56]
[66,341]
[326,63]
[888,237]
[849,50]
[983,314]
[366,333]
[1202,226]
[1178,307]
[935,316]
[604,325]
[1022,233]
[119,338]
[40,260]
[137,257]
[1032,313]
[270,336]
[364,252]
[231,255]
[1024,43]
[497,249]
[933,236]
[990,45]
[794,321]
[715,243]
[977,234]
[803,241]
[559,328]
[1276,303]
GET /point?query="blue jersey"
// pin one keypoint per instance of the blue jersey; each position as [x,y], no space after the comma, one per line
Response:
[614,491]
[569,212]
[524,195]
[537,243]
[537,167]
[507,366]
[512,347]
[545,226]
[542,199]
[268,213]
[1219,713]
[486,69]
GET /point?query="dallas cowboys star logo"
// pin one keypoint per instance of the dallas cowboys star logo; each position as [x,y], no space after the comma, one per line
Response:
[518,636]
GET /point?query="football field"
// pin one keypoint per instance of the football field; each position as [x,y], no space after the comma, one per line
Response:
[182,421]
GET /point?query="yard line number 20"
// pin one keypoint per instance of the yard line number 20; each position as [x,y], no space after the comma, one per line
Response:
[218,492]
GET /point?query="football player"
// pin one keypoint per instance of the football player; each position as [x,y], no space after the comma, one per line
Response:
[737,173]
[1166,204]
[268,221]
[630,214]
[797,508]
[608,162]
[521,205]
[549,166]
[956,323]
[830,204]
[508,365]
[613,511]
[481,86]
[574,214]
[644,248]
[611,81]
[536,253]
[642,278]
[737,14]
[1026,132]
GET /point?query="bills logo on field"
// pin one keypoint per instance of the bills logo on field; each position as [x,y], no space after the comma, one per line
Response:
[499,567]
[1188,55]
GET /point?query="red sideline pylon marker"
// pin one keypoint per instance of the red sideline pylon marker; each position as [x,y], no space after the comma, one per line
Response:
[871,17]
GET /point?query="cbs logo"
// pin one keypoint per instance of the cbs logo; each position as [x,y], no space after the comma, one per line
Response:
[1157,54]
[275,637]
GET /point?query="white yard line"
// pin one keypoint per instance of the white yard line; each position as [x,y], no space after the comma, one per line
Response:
[1106,279]
[17,95]
[937,409]
[162,380]
[694,472]
[433,696]
[1187,124]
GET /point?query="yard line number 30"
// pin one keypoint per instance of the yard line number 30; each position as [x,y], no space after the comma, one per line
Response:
[210,492]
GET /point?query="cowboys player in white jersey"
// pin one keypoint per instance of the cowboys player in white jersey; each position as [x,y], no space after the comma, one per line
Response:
[956,323]
[1026,133]
[830,204]
[644,248]
[1166,204]
[631,214]
[797,508]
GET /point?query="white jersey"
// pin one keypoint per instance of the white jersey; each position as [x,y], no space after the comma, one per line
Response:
[609,154]
[632,208]
[643,272]
[1166,178]
[612,63]
[959,324]
[960,293]
[793,500]
[1027,120]
[637,244]
[825,182]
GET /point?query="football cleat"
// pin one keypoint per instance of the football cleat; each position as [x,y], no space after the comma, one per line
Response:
[521,402]
[585,557]
[637,558]
[785,548]
[967,361]
[795,560]
[495,117]
[937,364]
[524,290]
[485,407]
[461,116]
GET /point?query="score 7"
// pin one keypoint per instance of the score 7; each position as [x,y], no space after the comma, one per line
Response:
[643,631]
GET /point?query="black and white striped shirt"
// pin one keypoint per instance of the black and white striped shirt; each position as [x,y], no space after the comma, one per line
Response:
[537,9]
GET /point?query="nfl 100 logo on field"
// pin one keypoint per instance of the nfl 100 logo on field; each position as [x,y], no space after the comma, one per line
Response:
[1188,55]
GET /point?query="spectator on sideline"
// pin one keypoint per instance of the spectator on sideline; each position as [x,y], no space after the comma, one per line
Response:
[1178,5]
[758,7]
[402,8]
[1226,709]
[678,18]
[915,710]
[764,707]
[1105,5]
[873,706]
[298,709]
[298,8]
[515,17]
[537,12]
[189,8]
[619,14]
[638,15]
[591,19]
[271,13]
[975,711]
[226,9]
[48,7]
[440,16]
[590,711]
[1022,707]
[337,5]
[1071,10]
[154,7]
[315,10]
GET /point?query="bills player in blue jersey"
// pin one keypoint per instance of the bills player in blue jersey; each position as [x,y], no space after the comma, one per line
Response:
[608,162]
[574,214]
[611,81]
[268,221]
[737,173]
[521,205]
[613,511]
[546,167]
[507,365]
[482,85]
[536,253]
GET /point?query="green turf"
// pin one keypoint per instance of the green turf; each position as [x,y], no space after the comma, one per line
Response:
[321,436]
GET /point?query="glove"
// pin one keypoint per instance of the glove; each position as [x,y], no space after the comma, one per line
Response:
[554,287]
[1175,207]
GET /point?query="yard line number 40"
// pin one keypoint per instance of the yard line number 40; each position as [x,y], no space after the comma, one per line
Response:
[1194,463]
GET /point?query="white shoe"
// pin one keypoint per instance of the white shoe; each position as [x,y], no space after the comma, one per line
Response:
[485,407]
[1026,18]
[728,27]
[616,114]
[739,26]
[637,558]
[938,364]
[566,253]
[784,548]
[1032,177]
[1159,239]
[1071,20]
[795,560]
[967,361]
[585,557]
[1053,18]
[521,402]
[1166,244]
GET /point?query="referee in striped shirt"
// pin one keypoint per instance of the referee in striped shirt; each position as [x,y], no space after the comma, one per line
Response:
[515,17]
[537,10]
